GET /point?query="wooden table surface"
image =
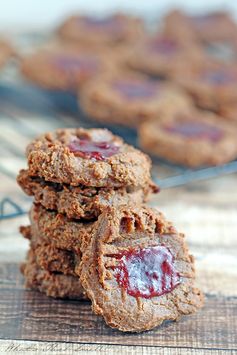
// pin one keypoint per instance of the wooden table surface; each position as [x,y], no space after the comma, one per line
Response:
[206,211]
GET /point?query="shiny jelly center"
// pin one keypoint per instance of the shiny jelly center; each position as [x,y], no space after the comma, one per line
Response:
[148,272]
[135,89]
[198,130]
[86,148]
[163,46]
[76,63]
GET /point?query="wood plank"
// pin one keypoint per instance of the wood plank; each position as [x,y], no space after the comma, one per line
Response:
[29,347]
[29,315]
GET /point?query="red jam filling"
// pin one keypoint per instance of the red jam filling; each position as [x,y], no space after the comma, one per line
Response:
[219,77]
[76,63]
[88,149]
[196,130]
[135,89]
[148,272]
[163,46]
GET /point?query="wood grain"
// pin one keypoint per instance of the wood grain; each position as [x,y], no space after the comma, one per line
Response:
[26,315]
[206,211]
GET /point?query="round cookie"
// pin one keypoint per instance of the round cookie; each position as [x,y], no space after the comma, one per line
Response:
[6,52]
[216,26]
[129,99]
[80,201]
[161,55]
[211,84]
[192,138]
[91,157]
[137,270]
[64,67]
[48,227]
[110,30]
[54,285]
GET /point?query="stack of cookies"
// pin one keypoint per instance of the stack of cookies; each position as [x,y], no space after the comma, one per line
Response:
[91,236]
[74,175]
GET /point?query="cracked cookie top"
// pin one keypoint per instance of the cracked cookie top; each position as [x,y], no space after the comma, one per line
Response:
[92,157]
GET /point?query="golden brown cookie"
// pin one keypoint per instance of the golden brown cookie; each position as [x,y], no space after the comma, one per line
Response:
[91,157]
[137,270]
[161,55]
[216,26]
[110,30]
[48,227]
[64,67]
[56,285]
[129,98]
[195,138]
[211,84]
[80,201]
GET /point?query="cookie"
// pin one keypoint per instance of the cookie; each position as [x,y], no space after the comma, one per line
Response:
[48,227]
[229,112]
[6,52]
[129,99]
[110,30]
[64,67]
[54,285]
[211,84]
[216,26]
[53,259]
[80,201]
[137,270]
[91,157]
[192,138]
[160,55]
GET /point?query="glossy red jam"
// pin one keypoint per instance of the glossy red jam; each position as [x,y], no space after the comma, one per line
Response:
[88,149]
[196,130]
[135,89]
[148,272]
[76,63]
[163,46]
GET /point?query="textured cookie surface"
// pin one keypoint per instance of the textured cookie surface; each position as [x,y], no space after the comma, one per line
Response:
[63,67]
[56,229]
[162,55]
[137,270]
[80,201]
[93,157]
[192,138]
[129,99]
[53,284]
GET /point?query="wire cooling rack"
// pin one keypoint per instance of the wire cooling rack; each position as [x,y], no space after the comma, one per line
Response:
[26,111]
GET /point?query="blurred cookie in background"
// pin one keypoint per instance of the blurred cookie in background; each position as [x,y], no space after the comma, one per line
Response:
[129,98]
[160,55]
[211,84]
[109,30]
[215,26]
[6,51]
[229,112]
[64,67]
[194,139]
